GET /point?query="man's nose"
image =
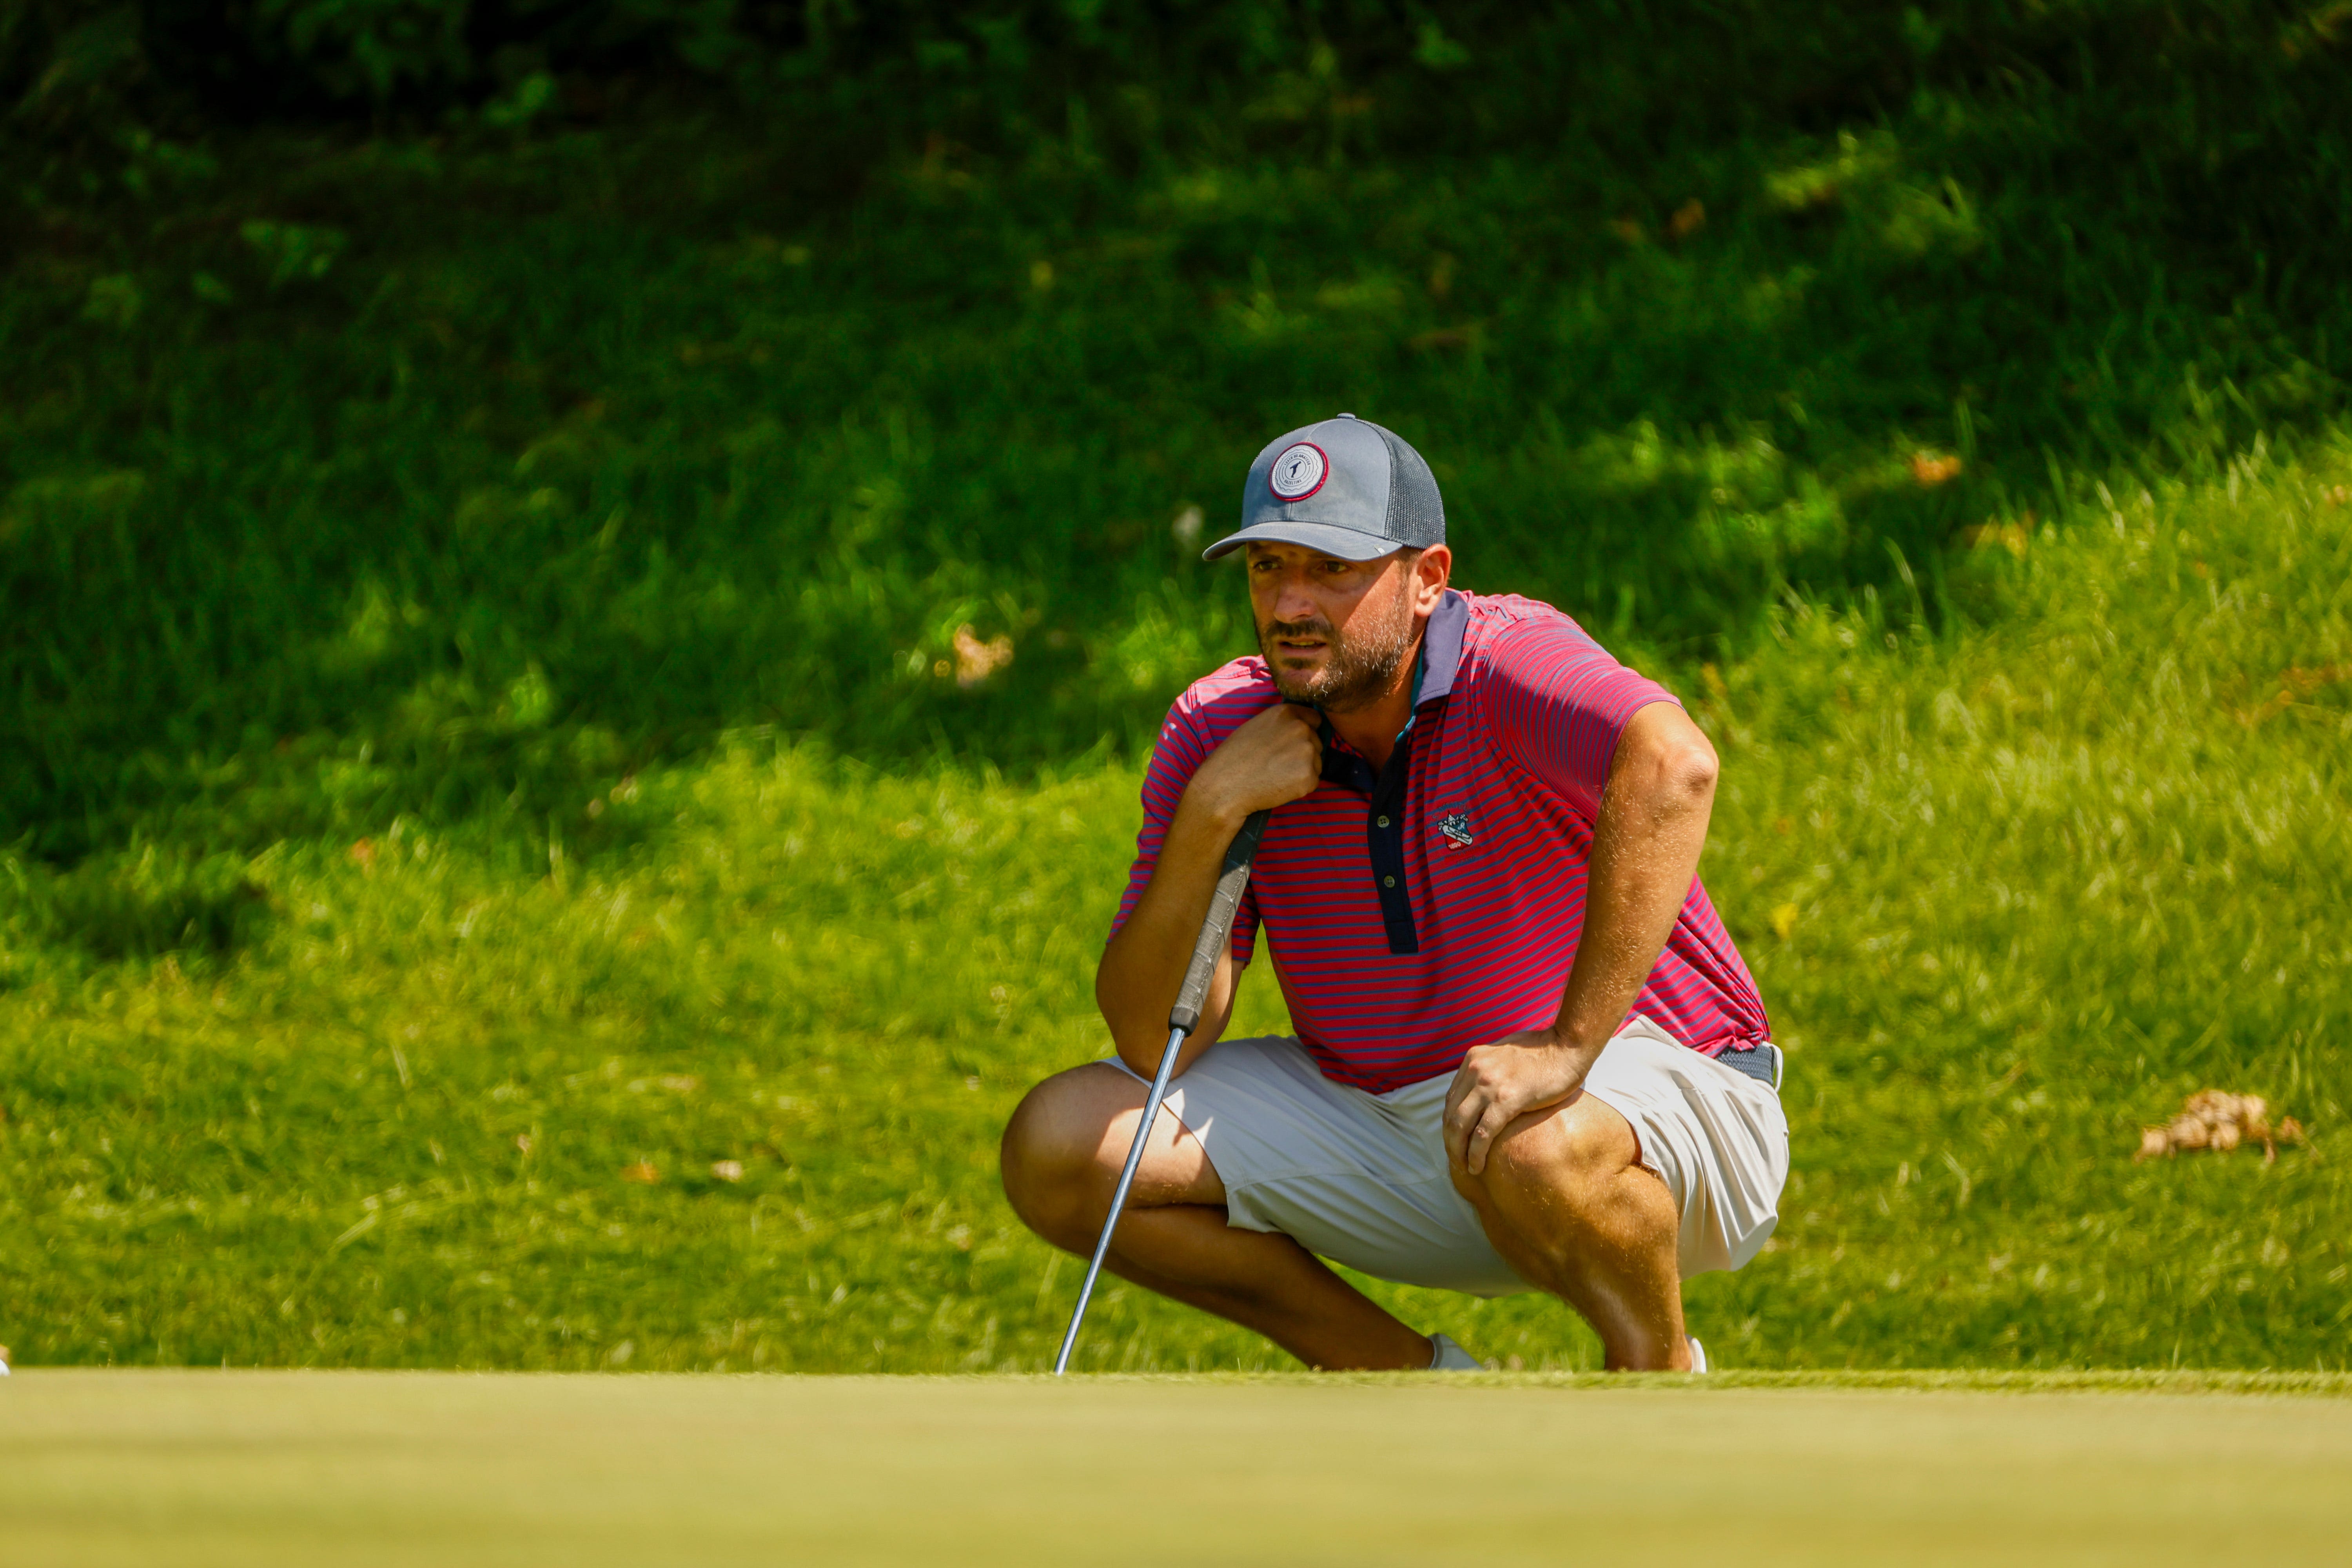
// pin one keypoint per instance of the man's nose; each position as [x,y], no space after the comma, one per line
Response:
[1292,599]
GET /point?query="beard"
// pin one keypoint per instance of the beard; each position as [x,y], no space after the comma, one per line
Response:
[1363,662]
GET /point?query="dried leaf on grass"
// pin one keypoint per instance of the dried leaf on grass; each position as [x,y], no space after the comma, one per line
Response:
[2213,1120]
[2295,683]
[1933,468]
[976,660]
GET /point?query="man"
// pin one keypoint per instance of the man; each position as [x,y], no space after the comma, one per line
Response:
[1528,1056]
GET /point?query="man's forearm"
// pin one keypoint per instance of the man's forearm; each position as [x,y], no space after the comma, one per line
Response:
[1645,847]
[1272,759]
[1646,844]
[1143,966]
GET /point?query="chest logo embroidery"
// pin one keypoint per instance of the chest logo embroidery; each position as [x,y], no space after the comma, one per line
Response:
[1456,829]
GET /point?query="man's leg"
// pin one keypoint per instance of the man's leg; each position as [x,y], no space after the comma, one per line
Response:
[1565,1199]
[1062,1154]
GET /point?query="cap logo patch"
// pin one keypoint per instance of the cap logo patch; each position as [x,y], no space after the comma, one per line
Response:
[1298,472]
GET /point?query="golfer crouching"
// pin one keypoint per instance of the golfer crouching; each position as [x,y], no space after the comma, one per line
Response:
[1528,1054]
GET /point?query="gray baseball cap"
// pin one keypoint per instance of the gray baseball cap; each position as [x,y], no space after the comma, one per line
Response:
[1345,487]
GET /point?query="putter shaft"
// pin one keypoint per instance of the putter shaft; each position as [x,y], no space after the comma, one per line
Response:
[1118,1194]
[1216,931]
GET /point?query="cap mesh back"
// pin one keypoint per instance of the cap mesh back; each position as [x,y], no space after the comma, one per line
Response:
[1416,511]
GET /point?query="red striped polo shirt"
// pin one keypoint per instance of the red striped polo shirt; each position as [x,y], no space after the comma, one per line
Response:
[1436,907]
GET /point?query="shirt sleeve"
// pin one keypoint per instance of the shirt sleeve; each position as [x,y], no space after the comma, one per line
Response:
[1186,738]
[1561,704]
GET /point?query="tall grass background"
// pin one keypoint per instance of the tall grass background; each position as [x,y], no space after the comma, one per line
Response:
[491,731]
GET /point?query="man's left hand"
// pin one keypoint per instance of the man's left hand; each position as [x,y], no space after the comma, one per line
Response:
[1497,1084]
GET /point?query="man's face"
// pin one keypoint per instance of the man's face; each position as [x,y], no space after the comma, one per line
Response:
[1334,632]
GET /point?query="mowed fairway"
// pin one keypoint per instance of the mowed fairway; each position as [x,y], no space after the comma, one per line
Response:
[260,1468]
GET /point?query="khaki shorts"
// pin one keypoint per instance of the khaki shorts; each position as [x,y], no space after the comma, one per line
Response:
[1360,1178]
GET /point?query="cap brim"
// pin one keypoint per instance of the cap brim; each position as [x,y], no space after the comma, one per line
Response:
[1347,543]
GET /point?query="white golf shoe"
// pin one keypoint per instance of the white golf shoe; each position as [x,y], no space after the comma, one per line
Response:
[1450,1357]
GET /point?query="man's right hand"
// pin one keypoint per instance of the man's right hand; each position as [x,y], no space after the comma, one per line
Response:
[1268,760]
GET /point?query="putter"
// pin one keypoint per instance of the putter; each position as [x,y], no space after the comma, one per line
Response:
[1216,930]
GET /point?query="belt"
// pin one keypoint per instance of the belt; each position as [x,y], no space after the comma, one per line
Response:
[1761,1061]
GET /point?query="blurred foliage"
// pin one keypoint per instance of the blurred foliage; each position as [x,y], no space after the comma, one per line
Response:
[436,407]
[1324,69]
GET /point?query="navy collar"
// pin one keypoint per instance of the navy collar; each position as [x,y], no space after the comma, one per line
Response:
[1441,648]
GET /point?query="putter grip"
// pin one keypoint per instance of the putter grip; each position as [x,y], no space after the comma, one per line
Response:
[1218,928]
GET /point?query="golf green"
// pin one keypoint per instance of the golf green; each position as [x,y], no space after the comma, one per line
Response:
[163,1469]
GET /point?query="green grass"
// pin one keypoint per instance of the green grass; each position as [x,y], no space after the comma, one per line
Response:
[479,710]
[2037,882]
[261,1468]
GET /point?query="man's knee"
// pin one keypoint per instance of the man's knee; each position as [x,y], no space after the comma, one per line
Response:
[1050,1153]
[1063,1146]
[1563,1160]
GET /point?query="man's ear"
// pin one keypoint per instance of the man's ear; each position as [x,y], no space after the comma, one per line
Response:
[1432,570]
